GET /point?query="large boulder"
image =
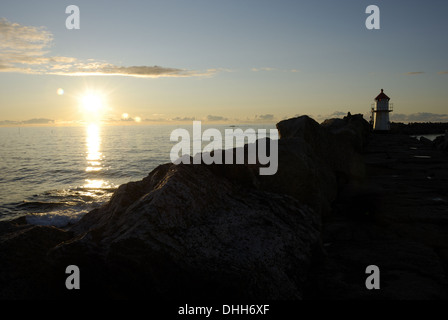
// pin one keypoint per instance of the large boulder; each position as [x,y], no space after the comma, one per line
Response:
[352,128]
[314,161]
[441,142]
[325,157]
[24,271]
[186,232]
[338,143]
[300,174]
[303,175]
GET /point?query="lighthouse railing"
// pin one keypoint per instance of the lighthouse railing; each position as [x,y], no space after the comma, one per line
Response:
[390,108]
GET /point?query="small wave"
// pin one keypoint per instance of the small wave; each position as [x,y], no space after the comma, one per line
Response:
[58,219]
[60,207]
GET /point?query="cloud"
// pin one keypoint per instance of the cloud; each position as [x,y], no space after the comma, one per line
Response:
[17,38]
[414,73]
[263,69]
[216,118]
[8,122]
[184,119]
[443,72]
[24,49]
[335,114]
[31,121]
[38,121]
[419,117]
[264,117]
[273,69]
[105,69]
[338,114]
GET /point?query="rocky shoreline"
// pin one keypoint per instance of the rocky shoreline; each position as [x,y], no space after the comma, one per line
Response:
[343,198]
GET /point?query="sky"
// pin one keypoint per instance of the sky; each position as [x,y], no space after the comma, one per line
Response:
[226,61]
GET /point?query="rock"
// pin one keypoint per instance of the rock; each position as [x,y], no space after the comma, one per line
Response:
[185,232]
[300,174]
[396,219]
[306,128]
[355,129]
[303,175]
[408,269]
[441,142]
[338,145]
[25,272]
[425,140]
[333,149]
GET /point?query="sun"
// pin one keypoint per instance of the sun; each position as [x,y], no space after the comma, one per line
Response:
[93,105]
[92,102]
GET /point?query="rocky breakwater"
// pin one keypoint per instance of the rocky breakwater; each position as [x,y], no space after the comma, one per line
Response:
[199,231]
[396,219]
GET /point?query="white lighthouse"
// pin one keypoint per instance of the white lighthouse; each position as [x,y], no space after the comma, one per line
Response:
[380,112]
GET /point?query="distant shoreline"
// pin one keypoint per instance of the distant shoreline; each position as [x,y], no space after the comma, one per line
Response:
[419,128]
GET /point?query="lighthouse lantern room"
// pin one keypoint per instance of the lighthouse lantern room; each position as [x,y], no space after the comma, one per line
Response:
[380,112]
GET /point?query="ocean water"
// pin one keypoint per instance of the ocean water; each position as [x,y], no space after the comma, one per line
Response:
[54,175]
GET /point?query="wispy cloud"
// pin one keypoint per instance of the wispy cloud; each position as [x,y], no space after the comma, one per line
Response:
[16,38]
[25,49]
[265,117]
[216,118]
[267,69]
[443,72]
[263,69]
[106,69]
[335,114]
[183,119]
[413,73]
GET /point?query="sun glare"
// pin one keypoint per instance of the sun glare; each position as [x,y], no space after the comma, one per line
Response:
[92,102]
[92,105]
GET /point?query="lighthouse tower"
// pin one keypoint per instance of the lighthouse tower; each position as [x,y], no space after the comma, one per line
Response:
[380,112]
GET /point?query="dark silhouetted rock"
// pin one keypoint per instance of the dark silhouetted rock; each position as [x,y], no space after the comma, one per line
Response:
[441,142]
[315,160]
[185,232]
[24,268]
[337,144]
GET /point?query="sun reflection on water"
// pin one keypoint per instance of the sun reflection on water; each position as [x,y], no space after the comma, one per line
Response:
[94,157]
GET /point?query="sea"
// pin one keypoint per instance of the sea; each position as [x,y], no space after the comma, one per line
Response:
[54,175]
